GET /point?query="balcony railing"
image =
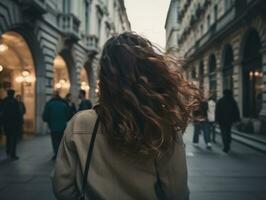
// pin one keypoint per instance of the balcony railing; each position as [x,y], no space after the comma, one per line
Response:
[91,43]
[34,7]
[69,25]
[214,29]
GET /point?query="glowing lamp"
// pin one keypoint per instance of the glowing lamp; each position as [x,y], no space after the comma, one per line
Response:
[3,47]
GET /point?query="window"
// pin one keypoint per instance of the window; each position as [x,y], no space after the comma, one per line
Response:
[228,4]
[215,12]
[66,6]
[86,16]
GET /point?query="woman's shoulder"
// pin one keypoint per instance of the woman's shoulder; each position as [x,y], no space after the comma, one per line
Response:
[83,121]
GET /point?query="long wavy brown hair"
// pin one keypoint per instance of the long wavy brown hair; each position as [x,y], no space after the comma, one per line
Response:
[145,101]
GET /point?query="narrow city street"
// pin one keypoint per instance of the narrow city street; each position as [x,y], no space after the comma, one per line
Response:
[213,175]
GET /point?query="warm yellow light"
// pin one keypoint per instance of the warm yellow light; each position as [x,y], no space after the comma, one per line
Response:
[3,47]
[62,81]
[256,73]
[1,68]
[66,85]
[58,86]
[25,73]
[251,74]
[29,79]
[84,86]
[19,79]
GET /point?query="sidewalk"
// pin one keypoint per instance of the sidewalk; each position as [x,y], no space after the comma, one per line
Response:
[213,175]
[29,177]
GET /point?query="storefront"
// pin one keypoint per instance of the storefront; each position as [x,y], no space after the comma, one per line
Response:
[17,71]
[84,81]
[61,76]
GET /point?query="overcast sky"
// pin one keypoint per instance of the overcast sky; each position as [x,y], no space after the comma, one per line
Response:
[147,17]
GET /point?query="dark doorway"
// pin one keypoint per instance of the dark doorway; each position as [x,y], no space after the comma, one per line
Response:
[252,75]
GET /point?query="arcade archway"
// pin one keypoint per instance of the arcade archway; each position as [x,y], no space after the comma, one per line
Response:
[61,76]
[252,75]
[17,71]
[84,82]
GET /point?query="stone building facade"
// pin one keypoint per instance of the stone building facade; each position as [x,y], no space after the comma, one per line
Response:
[48,45]
[224,45]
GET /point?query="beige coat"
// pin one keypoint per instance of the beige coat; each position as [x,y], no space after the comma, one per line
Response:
[111,176]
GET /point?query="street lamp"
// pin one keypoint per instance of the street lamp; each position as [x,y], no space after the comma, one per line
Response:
[1,68]
[25,77]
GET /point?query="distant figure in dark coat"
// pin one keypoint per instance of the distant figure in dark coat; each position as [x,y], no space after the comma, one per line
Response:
[72,107]
[85,104]
[11,122]
[56,114]
[22,113]
[226,113]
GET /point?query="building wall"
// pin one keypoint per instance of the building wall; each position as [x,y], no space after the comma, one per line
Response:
[90,24]
[172,27]
[207,27]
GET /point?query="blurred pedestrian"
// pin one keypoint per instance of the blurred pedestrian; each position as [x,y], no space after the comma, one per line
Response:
[138,150]
[71,104]
[201,124]
[85,104]
[11,115]
[56,114]
[226,114]
[211,117]
[22,113]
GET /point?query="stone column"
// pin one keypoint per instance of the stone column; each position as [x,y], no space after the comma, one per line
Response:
[93,82]
[206,86]
[219,76]
[237,82]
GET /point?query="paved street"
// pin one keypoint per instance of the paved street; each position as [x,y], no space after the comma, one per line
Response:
[213,175]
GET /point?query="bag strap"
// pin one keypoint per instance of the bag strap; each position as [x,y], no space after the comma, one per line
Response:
[158,187]
[89,157]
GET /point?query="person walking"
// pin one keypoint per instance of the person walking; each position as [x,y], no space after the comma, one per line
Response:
[22,113]
[201,124]
[226,113]
[72,107]
[130,145]
[56,114]
[85,104]
[11,116]
[211,117]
